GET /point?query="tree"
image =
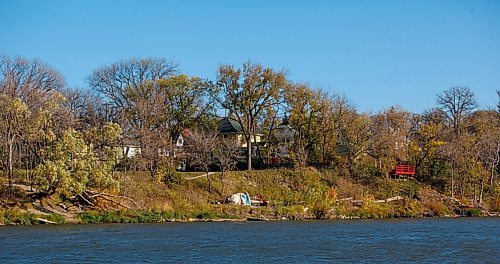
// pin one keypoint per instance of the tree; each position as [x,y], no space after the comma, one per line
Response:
[113,81]
[498,103]
[225,156]
[246,93]
[86,109]
[14,113]
[354,139]
[152,104]
[457,102]
[390,136]
[72,165]
[200,151]
[427,138]
[301,101]
[25,88]
[312,117]
[485,125]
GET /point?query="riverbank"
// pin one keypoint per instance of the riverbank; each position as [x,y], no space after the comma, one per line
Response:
[289,194]
[158,217]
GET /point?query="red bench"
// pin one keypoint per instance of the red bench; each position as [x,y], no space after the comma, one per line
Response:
[405,170]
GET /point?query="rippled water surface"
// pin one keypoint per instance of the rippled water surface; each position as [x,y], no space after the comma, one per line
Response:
[464,240]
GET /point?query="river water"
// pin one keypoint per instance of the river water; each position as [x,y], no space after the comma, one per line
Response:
[463,240]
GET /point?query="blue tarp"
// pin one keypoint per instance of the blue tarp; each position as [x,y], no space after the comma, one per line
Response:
[245,198]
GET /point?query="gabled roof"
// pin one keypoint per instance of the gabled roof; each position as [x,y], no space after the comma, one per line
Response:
[229,125]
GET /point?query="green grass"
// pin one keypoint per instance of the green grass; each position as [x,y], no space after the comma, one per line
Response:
[15,216]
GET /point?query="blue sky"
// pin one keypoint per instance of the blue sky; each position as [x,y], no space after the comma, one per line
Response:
[376,53]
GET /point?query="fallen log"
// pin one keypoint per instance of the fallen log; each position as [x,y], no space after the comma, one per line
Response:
[85,199]
[395,198]
[45,221]
[113,201]
[98,194]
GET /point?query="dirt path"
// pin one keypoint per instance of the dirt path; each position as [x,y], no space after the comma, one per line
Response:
[199,176]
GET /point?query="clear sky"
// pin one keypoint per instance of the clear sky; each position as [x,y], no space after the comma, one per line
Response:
[376,53]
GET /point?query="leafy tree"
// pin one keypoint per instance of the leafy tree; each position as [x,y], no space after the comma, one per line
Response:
[246,93]
[354,139]
[485,126]
[390,135]
[312,116]
[427,139]
[25,88]
[71,166]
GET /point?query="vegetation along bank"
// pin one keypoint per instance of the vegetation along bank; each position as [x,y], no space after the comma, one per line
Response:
[147,143]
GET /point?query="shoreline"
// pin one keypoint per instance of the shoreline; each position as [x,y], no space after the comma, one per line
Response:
[42,221]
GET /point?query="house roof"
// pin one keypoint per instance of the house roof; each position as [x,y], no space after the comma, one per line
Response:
[229,125]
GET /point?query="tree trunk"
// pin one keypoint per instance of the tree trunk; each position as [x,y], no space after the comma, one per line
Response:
[209,182]
[222,181]
[249,153]
[475,193]
[10,164]
[492,176]
[481,192]
[257,145]
[452,184]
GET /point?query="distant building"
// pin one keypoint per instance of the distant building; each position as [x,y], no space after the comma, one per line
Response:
[131,150]
[231,129]
[284,135]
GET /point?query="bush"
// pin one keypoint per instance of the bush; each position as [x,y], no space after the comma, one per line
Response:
[205,215]
[167,173]
[15,216]
[294,212]
[473,212]
[128,216]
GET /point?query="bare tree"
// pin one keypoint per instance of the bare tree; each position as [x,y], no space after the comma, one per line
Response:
[114,81]
[226,155]
[200,150]
[498,103]
[152,105]
[457,102]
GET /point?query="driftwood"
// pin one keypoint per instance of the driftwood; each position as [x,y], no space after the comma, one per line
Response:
[360,202]
[89,198]
[82,196]
[45,221]
[110,200]
[96,194]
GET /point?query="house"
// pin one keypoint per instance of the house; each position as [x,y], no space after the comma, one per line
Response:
[229,128]
[131,150]
[284,135]
[183,136]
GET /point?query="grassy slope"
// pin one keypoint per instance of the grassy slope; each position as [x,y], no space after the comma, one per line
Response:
[293,194]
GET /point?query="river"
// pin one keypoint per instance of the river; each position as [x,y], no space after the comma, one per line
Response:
[462,240]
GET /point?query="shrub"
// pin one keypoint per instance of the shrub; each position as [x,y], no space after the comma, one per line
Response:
[473,212]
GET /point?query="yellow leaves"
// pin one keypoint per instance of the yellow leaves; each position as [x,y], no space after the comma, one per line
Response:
[13,108]
[112,131]
[72,165]
[330,196]
[429,130]
[19,107]
[436,143]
